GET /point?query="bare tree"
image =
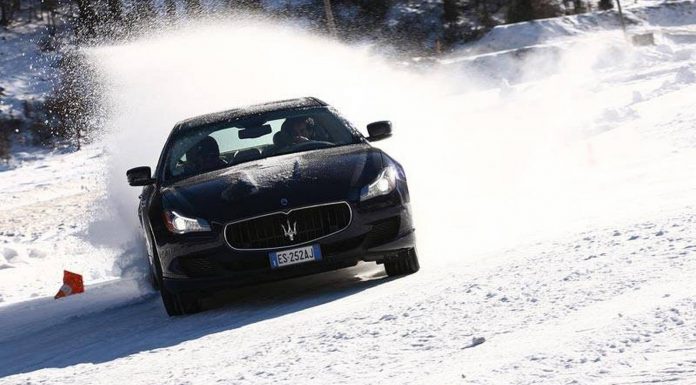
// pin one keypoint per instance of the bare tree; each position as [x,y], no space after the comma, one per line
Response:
[144,11]
[193,7]
[115,10]
[170,8]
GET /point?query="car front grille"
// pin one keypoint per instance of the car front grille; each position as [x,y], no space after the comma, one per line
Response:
[202,266]
[287,229]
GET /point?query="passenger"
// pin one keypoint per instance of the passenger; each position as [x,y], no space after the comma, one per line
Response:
[204,156]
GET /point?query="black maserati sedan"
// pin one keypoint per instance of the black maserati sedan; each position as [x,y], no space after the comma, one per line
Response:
[268,192]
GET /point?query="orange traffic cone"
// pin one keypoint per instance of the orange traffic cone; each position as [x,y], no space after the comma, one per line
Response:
[72,284]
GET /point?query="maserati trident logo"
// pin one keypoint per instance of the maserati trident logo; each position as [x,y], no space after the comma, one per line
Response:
[290,231]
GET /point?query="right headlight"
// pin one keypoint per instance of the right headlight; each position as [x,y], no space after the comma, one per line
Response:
[383,185]
[179,224]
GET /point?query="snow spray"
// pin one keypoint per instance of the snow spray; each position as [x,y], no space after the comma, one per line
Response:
[489,163]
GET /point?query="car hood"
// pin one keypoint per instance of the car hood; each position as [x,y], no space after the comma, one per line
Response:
[262,186]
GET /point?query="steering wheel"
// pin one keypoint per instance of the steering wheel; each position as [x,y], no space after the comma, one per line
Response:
[311,145]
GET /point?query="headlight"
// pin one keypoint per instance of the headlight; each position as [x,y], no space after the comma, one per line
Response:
[179,224]
[383,185]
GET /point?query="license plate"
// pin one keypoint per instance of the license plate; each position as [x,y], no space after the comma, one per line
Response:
[295,256]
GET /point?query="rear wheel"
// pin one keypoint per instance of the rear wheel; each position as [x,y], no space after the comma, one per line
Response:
[406,262]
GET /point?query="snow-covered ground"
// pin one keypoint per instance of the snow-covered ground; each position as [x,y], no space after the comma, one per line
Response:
[46,225]
[555,216]
[26,73]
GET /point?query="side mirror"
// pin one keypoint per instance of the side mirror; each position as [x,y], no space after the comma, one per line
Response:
[379,130]
[139,176]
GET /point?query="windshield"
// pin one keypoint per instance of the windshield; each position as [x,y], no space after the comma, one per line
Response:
[210,147]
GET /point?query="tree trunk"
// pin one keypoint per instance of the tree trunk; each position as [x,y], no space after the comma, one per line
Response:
[579,6]
[170,9]
[450,12]
[4,12]
[330,22]
[249,4]
[87,18]
[144,10]
[8,9]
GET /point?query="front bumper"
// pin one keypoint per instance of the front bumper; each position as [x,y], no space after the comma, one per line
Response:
[204,262]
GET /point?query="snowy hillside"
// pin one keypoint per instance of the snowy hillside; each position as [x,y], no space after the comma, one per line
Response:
[26,70]
[553,197]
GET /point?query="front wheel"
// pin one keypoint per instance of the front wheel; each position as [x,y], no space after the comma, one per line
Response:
[406,262]
[179,304]
[174,303]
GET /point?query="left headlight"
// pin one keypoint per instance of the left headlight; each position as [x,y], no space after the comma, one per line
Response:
[179,224]
[383,185]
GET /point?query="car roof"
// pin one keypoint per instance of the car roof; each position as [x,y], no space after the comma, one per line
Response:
[229,115]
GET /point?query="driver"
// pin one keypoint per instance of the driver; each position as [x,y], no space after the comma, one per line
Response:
[300,129]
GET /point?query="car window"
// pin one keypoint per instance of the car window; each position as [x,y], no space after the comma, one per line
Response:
[201,149]
[228,138]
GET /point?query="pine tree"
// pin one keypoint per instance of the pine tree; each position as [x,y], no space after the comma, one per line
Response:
[374,10]
[526,10]
[450,12]
[520,10]
[605,5]
[579,6]
[5,12]
[486,19]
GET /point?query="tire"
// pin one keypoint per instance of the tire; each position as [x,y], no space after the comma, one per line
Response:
[179,304]
[154,281]
[175,304]
[406,262]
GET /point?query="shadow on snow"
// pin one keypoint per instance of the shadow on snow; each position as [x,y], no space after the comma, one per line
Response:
[144,326]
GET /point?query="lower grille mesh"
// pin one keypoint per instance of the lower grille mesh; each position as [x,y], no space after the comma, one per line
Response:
[199,267]
[383,232]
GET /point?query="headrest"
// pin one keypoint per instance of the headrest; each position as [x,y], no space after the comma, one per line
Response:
[207,145]
[281,138]
[247,155]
